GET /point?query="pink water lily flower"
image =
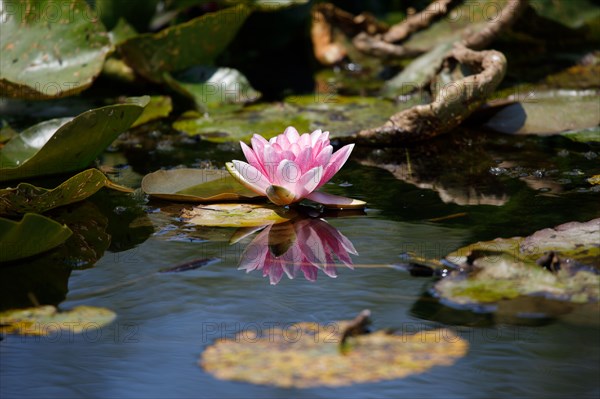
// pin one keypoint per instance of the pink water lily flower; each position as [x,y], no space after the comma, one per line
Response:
[289,167]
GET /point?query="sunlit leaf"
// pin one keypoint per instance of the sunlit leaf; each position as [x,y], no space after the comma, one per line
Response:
[29,198]
[50,48]
[158,107]
[64,145]
[47,320]
[307,355]
[30,236]
[236,215]
[559,263]
[195,185]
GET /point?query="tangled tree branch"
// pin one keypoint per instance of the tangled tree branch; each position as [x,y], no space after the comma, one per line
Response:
[453,102]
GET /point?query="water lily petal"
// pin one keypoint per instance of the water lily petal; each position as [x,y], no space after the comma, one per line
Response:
[337,160]
[258,143]
[249,176]
[305,159]
[288,174]
[292,134]
[251,157]
[308,182]
[305,140]
[315,136]
[323,157]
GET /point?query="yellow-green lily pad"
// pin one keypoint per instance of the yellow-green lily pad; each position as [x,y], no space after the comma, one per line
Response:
[158,107]
[47,320]
[308,355]
[561,264]
[195,185]
[236,215]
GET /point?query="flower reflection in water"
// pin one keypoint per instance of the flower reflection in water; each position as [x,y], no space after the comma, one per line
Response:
[305,245]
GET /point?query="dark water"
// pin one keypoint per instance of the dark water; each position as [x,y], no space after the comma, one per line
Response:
[492,185]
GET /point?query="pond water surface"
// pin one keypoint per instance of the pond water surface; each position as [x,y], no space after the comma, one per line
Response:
[490,186]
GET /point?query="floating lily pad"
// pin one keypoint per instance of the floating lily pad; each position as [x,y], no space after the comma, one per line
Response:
[29,198]
[158,107]
[330,201]
[47,320]
[195,185]
[341,116]
[236,215]
[49,48]
[30,236]
[307,355]
[64,145]
[211,87]
[560,264]
[196,42]
[549,113]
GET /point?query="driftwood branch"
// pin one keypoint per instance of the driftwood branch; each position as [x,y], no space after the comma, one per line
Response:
[418,21]
[453,103]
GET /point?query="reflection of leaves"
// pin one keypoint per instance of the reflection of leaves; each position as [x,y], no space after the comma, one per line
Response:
[308,355]
[304,245]
[64,145]
[195,185]
[46,320]
[28,198]
[49,48]
[560,263]
[30,236]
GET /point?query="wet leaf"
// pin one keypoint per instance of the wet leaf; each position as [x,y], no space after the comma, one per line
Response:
[195,185]
[560,264]
[307,355]
[29,198]
[330,201]
[196,42]
[211,86]
[49,54]
[159,107]
[548,113]
[236,215]
[30,236]
[47,320]
[64,145]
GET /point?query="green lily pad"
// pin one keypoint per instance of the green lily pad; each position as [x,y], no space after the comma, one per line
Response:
[341,116]
[50,48]
[65,144]
[211,87]
[30,236]
[47,320]
[309,354]
[158,107]
[29,198]
[195,185]
[196,42]
[560,264]
[548,113]
[236,215]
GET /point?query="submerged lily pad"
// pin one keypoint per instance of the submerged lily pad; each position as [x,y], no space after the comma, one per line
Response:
[560,264]
[29,198]
[30,236]
[49,48]
[308,354]
[236,215]
[195,185]
[196,42]
[47,320]
[64,145]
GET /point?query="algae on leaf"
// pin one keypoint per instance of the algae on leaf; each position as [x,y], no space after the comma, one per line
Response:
[310,354]
[562,264]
